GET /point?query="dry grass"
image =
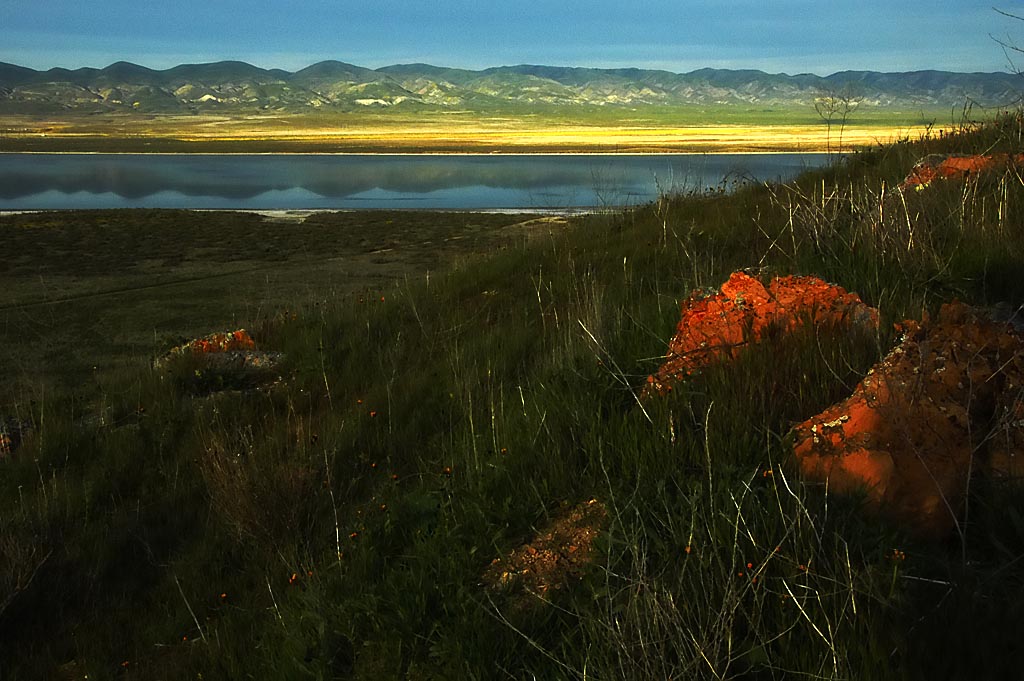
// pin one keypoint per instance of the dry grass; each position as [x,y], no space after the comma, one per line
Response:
[450,134]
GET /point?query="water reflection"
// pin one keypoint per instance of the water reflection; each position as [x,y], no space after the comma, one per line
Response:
[339,181]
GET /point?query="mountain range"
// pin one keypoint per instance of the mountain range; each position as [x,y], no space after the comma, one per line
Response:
[232,86]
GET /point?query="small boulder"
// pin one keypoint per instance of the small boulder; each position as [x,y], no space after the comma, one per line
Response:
[550,560]
[230,341]
[224,360]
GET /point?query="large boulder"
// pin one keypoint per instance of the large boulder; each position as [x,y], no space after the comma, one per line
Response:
[944,402]
[718,326]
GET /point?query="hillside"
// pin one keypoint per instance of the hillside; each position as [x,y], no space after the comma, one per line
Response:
[241,87]
[465,471]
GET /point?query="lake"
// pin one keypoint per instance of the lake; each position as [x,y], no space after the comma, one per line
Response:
[457,182]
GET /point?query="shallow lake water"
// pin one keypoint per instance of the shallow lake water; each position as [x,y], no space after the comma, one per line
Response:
[294,182]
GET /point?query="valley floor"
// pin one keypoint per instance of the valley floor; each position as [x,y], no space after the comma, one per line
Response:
[433,134]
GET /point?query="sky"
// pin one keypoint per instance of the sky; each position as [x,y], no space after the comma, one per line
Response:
[777,36]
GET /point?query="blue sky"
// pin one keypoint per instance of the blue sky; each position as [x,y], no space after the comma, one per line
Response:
[789,36]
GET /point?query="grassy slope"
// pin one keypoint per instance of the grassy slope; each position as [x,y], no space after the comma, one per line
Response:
[163,546]
[85,292]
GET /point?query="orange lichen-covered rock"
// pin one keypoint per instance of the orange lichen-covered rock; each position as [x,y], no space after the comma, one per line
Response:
[224,360]
[944,167]
[909,433]
[558,553]
[215,343]
[220,342]
[718,326]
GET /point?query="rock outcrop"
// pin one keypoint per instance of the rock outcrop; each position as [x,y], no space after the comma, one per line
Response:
[956,166]
[717,326]
[557,554]
[945,402]
[229,341]
[225,360]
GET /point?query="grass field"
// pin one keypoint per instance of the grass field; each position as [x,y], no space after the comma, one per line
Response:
[344,522]
[653,129]
[85,292]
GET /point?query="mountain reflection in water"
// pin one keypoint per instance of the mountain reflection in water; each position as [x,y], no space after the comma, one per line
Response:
[30,181]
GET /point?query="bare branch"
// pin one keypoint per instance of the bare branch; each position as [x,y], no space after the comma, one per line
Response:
[1007,14]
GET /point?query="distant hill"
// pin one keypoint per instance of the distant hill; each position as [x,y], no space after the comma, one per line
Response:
[237,86]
